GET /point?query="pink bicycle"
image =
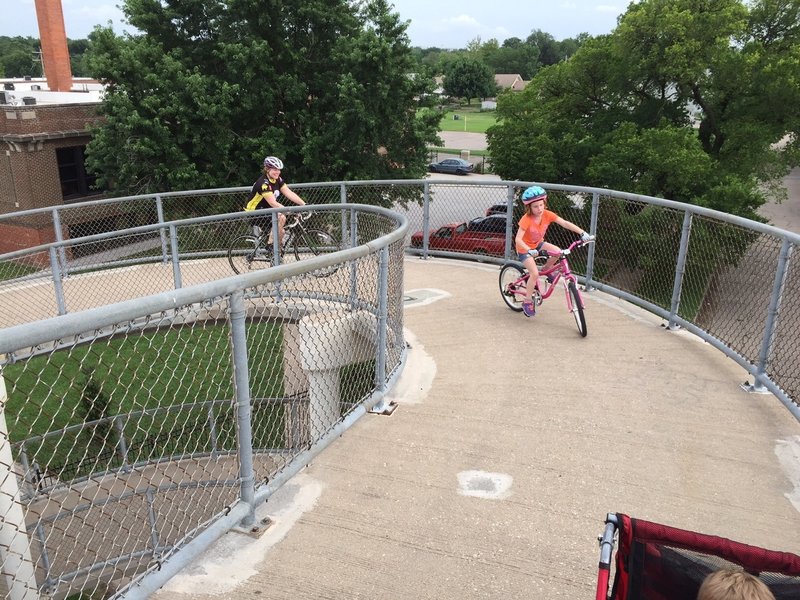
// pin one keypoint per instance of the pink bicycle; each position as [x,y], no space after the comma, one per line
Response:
[514,279]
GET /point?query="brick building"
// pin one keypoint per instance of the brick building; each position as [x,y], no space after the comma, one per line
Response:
[42,163]
[44,129]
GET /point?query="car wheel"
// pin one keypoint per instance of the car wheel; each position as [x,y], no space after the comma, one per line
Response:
[460,172]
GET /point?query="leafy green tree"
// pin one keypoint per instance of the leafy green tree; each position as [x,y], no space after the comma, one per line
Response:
[514,56]
[548,50]
[77,49]
[469,78]
[693,100]
[19,56]
[212,86]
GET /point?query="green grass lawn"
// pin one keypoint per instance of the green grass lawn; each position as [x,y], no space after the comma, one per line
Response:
[154,369]
[12,270]
[470,119]
[163,378]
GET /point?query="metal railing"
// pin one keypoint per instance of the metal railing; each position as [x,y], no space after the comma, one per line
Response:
[136,432]
[730,281]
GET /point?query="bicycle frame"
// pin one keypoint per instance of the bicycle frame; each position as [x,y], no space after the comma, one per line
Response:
[560,270]
[255,251]
[289,233]
[513,289]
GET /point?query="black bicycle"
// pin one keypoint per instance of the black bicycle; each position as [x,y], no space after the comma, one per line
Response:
[250,252]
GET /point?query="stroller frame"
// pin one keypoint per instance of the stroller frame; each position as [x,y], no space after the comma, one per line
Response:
[659,562]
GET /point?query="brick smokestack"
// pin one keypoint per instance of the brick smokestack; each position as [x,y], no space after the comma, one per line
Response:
[55,54]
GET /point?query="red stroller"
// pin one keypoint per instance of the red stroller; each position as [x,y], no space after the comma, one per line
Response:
[657,562]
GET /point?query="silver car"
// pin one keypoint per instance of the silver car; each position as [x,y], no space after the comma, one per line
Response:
[459,166]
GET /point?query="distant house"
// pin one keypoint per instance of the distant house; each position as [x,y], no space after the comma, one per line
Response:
[504,81]
[512,81]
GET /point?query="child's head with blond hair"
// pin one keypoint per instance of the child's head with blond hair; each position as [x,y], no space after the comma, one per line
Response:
[728,584]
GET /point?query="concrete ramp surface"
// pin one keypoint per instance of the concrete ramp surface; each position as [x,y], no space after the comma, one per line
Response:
[512,440]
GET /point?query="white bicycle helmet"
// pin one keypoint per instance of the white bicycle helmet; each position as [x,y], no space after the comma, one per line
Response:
[273,162]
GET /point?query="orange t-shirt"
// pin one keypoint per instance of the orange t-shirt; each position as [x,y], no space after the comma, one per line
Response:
[534,233]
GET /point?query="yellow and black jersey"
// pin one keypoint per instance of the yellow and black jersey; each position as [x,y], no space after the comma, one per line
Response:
[263,186]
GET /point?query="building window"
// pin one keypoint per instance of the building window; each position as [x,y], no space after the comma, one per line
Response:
[75,182]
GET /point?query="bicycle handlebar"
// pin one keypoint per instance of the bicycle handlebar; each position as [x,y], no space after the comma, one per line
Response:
[297,218]
[566,251]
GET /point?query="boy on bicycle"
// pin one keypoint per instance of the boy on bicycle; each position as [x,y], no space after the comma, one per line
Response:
[265,193]
[530,242]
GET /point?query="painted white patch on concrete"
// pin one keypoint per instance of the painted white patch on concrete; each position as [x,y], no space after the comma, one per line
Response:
[424,296]
[480,484]
[788,453]
[234,558]
[415,381]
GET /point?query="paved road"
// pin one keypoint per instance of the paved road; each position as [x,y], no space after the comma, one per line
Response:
[512,440]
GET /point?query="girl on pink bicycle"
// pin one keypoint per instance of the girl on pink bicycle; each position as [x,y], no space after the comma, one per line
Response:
[529,240]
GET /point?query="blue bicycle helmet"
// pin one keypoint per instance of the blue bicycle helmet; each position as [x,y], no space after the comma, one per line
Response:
[532,194]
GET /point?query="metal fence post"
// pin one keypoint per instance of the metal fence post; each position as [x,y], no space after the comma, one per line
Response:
[244,432]
[772,317]
[62,254]
[45,558]
[592,231]
[426,216]
[212,430]
[383,308]
[31,489]
[151,519]
[343,200]
[58,289]
[353,264]
[509,221]
[161,233]
[680,269]
[122,445]
[176,265]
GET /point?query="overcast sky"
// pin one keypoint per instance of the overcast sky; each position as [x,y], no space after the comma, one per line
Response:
[433,22]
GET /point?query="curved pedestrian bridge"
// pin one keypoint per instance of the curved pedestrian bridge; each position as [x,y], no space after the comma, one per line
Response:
[512,439]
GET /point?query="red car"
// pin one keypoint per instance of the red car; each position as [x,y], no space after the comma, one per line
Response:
[461,237]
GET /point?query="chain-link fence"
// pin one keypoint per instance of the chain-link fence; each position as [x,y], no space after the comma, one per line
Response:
[137,418]
[132,428]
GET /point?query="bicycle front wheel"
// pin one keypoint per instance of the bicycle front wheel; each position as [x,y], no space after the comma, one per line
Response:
[246,253]
[577,308]
[313,242]
[512,294]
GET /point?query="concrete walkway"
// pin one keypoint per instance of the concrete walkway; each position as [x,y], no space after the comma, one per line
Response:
[512,440]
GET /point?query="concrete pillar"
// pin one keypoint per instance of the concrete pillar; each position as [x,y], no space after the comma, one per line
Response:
[55,53]
[328,342]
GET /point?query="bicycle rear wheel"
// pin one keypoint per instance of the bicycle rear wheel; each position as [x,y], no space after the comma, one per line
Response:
[577,308]
[313,242]
[508,275]
[247,253]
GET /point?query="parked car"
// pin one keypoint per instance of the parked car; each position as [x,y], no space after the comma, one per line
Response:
[497,209]
[459,166]
[462,237]
[492,224]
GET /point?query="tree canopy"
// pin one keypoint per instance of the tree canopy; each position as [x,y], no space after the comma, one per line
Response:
[693,100]
[212,86]
[19,57]
[469,78]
